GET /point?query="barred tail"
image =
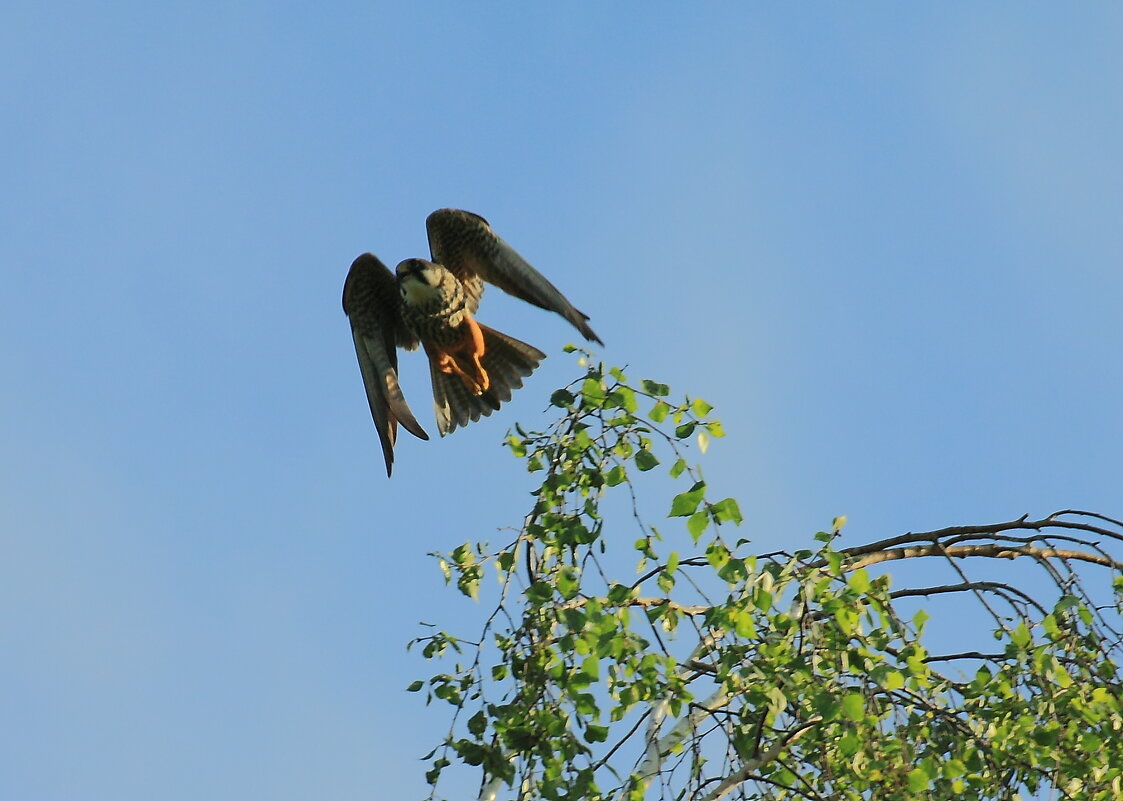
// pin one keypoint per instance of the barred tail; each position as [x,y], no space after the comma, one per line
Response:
[507,362]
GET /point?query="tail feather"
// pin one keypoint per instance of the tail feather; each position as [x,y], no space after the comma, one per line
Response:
[507,361]
[454,405]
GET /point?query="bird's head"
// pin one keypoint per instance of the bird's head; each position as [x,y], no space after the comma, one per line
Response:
[419,280]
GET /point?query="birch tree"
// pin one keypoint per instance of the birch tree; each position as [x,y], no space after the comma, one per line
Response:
[625,654]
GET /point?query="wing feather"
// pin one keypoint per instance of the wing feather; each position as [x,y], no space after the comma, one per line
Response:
[372,305]
[464,243]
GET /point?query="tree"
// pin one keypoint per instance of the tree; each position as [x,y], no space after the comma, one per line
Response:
[714,671]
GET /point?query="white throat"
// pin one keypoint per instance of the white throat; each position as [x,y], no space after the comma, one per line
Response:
[416,292]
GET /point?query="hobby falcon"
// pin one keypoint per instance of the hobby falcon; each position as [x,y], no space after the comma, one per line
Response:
[473,368]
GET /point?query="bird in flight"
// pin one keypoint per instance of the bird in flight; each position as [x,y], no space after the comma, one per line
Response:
[473,368]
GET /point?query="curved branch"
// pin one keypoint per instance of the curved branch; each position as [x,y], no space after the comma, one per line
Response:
[986,586]
[964,655]
[1021,524]
[991,551]
[745,772]
[659,747]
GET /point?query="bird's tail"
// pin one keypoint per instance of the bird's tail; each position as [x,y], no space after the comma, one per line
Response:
[506,361]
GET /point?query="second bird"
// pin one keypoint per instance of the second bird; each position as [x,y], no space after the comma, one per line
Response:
[473,368]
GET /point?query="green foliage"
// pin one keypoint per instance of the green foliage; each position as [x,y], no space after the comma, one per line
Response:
[713,669]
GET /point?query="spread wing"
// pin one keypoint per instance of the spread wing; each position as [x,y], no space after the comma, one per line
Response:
[373,306]
[465,244]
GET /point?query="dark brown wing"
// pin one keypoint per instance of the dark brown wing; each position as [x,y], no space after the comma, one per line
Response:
[373,306]
[465,244]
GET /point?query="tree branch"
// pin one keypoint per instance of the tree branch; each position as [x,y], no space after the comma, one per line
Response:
[1021,524]
[991,551]
[742,774]
[969,586]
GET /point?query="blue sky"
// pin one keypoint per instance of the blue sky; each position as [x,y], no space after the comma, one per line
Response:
[882,240]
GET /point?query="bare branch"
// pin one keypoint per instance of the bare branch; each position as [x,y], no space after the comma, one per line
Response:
[659,747]
[965,655]
[742,774]
[991,551]
[1021,524]
[985,586]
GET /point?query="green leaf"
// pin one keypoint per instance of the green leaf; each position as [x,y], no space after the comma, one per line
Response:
[624,398]
[434,774]
[540,592]
[619,594]
[1066,602]
[953,768]
[893,680]
[1021,636]
[654,388]
[1046,737]
[686,503]
[717,555]
[697,524]
[517,446]
[727,511]
[615,476]
[591,668]
[853,706]
[568,582]
[645,460]
[743,624]
[659,412]
[595,734]
[777,701]
[762,597]
[562,398]
[847,619]
[733,571]
[701,408]
[585,704]
[415,686]
[685,430]
[849,744]
[678,467]
[918,780]
[592,392]
[859,581]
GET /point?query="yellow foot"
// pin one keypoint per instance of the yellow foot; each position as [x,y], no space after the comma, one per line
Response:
[477,384]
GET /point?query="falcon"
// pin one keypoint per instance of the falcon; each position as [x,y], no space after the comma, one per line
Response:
[473,368]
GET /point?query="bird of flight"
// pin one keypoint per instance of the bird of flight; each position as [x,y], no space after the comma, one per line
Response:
[473,368]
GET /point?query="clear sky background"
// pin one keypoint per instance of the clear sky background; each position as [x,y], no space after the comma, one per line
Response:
[884,240]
